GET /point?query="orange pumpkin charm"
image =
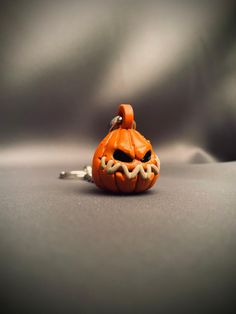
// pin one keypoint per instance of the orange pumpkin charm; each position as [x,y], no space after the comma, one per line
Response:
[124,161]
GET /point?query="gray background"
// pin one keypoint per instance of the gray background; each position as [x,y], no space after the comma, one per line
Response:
[65,66]
[66,247]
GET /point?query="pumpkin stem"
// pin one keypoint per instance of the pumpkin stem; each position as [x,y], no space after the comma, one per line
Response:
[127,114]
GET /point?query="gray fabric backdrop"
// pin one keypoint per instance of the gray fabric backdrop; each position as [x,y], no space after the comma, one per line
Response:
[65,66]
[66,247]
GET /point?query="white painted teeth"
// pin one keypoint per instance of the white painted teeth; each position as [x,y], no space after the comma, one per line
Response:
[112,168]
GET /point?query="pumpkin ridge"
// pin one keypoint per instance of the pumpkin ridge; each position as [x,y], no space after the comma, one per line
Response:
[135,187]
[101,180]
[116,183]
[103,144]
[150,183]
[131,139]
[114,139]
[109,136]
[131,143]
[119,136]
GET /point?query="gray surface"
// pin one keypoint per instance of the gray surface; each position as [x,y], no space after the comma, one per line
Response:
[66,247]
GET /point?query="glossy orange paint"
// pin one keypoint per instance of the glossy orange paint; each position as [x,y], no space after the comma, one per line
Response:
[136,152]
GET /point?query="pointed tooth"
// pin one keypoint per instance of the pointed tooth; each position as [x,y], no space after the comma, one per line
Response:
[149,170]
[103,162]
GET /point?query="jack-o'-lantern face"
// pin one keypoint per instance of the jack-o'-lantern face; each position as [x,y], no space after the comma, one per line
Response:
[125,161]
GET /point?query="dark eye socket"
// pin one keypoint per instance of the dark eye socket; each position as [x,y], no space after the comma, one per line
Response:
[147,156]
[121,156]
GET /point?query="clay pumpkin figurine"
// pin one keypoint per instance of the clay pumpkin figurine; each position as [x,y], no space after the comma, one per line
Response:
[124,161]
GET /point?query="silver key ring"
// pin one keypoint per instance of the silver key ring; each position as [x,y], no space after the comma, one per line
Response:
[85,174]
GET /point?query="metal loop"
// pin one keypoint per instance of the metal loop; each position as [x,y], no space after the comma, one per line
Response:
[116,122]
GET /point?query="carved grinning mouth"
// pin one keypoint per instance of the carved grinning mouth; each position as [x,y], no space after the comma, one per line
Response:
[145,174]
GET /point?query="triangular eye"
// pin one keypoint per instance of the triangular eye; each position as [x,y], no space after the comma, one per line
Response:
[121,156]
[147,156]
